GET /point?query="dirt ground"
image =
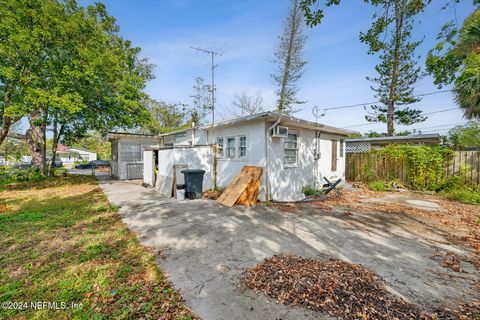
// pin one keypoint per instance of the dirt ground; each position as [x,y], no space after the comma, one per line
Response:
[459,223]
[421,246]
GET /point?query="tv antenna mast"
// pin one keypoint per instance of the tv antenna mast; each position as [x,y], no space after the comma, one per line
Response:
[317,113]
[213,54]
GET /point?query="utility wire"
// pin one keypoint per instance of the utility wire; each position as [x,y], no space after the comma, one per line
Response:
[372,123]
[441,126]
[439,111]
[362,104]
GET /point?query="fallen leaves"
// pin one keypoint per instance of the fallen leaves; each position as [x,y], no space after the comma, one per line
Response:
[339,288]
[62,238]
[452,261]
[460,222]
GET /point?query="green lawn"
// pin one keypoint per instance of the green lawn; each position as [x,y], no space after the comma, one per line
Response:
[62,242]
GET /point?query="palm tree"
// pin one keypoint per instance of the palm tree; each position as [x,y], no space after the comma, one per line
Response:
[467,85]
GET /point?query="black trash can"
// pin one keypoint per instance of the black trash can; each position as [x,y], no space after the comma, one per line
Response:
[193,183]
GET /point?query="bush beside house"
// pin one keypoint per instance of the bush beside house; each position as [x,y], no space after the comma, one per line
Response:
[422,168]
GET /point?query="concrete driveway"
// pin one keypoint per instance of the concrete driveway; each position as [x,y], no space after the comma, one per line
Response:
[206,248]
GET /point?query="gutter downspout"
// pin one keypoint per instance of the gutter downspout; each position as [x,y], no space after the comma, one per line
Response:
[267,179]
[319,151]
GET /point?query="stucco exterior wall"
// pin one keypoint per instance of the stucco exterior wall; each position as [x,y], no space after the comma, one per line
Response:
[193,157]
[286,181]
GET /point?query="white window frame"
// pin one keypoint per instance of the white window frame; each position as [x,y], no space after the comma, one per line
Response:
[285,143]
[228,148]
[239,144]
[220,147]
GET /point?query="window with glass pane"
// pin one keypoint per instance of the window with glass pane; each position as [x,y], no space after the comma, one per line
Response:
[242,146]
[220,147]
[341,148]
[291,149]
[231,147]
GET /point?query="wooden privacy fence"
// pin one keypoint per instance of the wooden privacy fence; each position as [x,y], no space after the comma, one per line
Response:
[376,166]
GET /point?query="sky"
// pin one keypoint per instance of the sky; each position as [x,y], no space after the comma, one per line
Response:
[246,32]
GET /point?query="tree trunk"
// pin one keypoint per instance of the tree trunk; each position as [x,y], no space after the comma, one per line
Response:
[6,124]
[57,133]
[399,16]
[37,139]
[7,121]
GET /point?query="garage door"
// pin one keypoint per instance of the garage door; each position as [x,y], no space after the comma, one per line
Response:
[135,170]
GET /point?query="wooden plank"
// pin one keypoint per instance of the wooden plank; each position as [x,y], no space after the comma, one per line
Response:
[234,190]
[249,196]
[334,156]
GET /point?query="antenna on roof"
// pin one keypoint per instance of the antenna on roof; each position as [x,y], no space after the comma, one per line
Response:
[213,54]
[316,113]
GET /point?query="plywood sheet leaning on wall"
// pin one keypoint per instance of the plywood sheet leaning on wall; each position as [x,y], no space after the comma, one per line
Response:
[243,189]
[249,196]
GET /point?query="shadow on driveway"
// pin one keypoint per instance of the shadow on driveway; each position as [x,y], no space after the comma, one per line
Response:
[207,247]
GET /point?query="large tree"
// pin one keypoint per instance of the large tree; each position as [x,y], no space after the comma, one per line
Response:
[289,59]
[166,117]
[465,136]
[81,75]
[456,60]
[398,70]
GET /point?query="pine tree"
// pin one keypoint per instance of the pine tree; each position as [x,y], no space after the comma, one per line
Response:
[398,70]
[289,59]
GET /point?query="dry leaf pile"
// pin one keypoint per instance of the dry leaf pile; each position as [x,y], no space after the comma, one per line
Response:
[340,288]
[211,195]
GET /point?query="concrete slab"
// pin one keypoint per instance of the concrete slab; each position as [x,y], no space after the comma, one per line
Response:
[406,200]
[207,247]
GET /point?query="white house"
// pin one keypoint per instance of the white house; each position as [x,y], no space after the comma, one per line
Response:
[69,155]
[293,152]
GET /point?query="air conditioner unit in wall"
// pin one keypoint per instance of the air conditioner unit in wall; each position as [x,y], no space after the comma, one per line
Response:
[280,132]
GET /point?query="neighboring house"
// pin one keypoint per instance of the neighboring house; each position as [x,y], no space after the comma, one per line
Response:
[366,144]
[127,153]
[293,152]
[70,155]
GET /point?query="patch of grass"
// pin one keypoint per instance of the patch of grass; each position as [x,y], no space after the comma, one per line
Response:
[62,241]
[464,195]
[309,191]
[377,186]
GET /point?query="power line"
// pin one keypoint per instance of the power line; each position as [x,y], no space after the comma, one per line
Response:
[439,111]
[441,126]
[363,104]
[425,114]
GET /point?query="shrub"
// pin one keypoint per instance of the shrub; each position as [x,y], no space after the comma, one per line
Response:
[60,172]
[464,195]
[16,175]
[423,165]
[309,191]
[377,186]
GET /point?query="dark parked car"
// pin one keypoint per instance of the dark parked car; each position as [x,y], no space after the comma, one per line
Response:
[93,164]
[58,163]
[23,165]
[27,165]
